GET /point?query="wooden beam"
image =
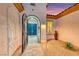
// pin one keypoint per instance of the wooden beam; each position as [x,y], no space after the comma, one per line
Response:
[51,17]
[19,6]
[68,11]
[65,12]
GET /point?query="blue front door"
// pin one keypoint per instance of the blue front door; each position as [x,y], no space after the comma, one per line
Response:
[32,29]
[32,33]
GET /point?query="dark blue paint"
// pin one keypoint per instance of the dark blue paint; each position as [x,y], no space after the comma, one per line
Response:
[32,29]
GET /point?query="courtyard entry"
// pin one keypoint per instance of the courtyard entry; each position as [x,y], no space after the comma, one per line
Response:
[32,30]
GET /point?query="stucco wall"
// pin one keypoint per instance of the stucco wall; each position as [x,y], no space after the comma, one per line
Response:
[10,29]
[68,28]
[14,28]
[3,30]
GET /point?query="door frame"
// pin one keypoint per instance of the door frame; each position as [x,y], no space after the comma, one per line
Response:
[38,21]
[23,37]
[24,18]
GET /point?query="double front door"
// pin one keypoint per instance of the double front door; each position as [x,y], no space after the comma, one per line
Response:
[32,29]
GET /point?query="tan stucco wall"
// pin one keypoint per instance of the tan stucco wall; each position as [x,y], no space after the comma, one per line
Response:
[10,29]
[15,31]
[68,28]
[3,30]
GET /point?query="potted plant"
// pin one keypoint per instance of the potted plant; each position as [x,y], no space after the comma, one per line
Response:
[69,45]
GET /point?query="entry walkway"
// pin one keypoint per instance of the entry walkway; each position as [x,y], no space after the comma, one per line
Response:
[51,48]
[33,50]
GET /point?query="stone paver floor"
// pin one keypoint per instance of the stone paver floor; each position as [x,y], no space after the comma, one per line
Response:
[34,50]
[51,48]
[57,48]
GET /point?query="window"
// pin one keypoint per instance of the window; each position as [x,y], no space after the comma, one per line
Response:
[49,27]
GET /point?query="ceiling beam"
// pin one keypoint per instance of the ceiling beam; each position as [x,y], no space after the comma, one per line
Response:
[51,17]
[19,6]
[65,12]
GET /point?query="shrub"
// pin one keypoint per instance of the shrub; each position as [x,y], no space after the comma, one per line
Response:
[69,45]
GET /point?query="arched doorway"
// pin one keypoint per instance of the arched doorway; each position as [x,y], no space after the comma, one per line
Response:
[32,30]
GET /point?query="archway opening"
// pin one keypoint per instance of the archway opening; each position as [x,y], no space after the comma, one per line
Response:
[32,30]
